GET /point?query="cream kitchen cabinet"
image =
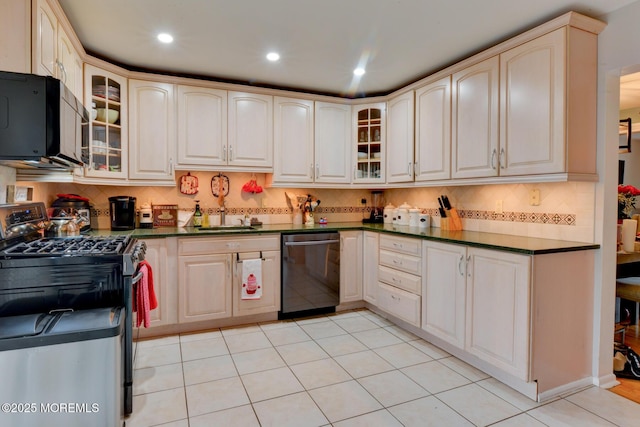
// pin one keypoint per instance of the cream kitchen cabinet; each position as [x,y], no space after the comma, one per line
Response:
[202,127]
[433,131]
[478,300]
[370,247]
[542,94]
[53,53]
[369,147]
[548,106]
[108,143]
[498,309]
[204,287]
[15,36]
[400,138]
[294,142]
[350,266]
[312,142]
[332,148]
[474,120]
[250,131]
[444,291]
[400,273]
[161,254]
[210,271]
[152,131]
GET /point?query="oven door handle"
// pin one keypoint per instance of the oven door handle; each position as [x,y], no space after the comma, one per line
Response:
[312,243]
[135,279]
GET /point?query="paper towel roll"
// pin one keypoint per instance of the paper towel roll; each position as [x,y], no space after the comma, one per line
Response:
[629,227]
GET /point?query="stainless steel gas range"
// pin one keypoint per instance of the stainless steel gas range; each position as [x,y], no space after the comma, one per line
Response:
[65,323]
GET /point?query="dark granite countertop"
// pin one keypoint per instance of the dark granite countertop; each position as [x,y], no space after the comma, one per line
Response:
[503,242]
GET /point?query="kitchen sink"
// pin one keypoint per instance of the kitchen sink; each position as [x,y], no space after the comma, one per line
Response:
[227,228]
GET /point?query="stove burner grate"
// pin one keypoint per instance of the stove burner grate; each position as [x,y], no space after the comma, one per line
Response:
[70,246]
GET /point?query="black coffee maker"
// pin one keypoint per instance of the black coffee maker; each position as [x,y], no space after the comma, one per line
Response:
[122,210]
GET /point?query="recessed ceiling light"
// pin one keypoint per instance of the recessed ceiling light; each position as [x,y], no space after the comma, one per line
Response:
[358,71]
[165,38]
[273,56]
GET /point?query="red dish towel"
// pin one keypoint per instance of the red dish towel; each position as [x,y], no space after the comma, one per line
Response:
[145,297]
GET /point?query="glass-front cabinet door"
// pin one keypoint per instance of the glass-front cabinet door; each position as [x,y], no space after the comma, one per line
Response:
[369,131]
[106,100]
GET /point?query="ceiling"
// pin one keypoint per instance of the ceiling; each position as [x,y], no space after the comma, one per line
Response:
[320,42]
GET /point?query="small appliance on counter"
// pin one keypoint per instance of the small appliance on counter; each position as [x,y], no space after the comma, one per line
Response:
[77,207]
[146,216]
[377,208]
[122,210]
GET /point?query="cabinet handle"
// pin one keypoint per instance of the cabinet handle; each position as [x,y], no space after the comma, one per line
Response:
[311,169]
[460,265]
[354,173]
[231,153]
[493,159]
[317,170]
[409,169]
[228,268]
[64,72]
[502,159]
[224,153]
[467,266]
[415,169]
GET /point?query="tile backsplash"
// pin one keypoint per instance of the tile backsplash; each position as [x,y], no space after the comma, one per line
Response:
[566,210]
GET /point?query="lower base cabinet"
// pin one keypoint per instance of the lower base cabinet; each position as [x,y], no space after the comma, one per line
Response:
[210,277]
[204,287]
[161,254]
[401,304]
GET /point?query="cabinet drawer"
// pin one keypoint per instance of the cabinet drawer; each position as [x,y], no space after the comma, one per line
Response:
[226,244]
[404,305]
[403,245]
[408,282]
[410,264]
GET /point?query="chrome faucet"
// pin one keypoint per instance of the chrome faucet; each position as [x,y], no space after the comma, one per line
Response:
[222,215]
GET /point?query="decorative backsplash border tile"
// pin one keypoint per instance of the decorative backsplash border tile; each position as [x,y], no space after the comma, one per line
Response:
[524,217]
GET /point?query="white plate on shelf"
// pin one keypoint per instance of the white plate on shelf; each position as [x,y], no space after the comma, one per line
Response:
[376,155]
[362,155]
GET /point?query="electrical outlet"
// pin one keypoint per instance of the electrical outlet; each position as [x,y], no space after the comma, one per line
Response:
[363,201]
[534,197]
[499,206]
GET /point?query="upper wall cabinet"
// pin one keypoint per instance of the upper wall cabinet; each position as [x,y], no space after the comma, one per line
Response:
[53,53]
[474,120]
[545,106]
[547,92]
[202,127]
[250,127]
[433,131]
[332,143]
[151,130]
[370,130]
[15,36]
[400,124]
[108,130]
[293,140]
[312,142]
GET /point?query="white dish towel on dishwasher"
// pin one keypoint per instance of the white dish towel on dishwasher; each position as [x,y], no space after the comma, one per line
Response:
[251,279]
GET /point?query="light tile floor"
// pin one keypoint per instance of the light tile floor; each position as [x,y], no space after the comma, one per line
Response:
[343,370]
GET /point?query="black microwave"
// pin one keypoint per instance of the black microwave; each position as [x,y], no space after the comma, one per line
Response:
[42,124]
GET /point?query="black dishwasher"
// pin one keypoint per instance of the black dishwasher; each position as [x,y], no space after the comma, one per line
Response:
[310,274]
